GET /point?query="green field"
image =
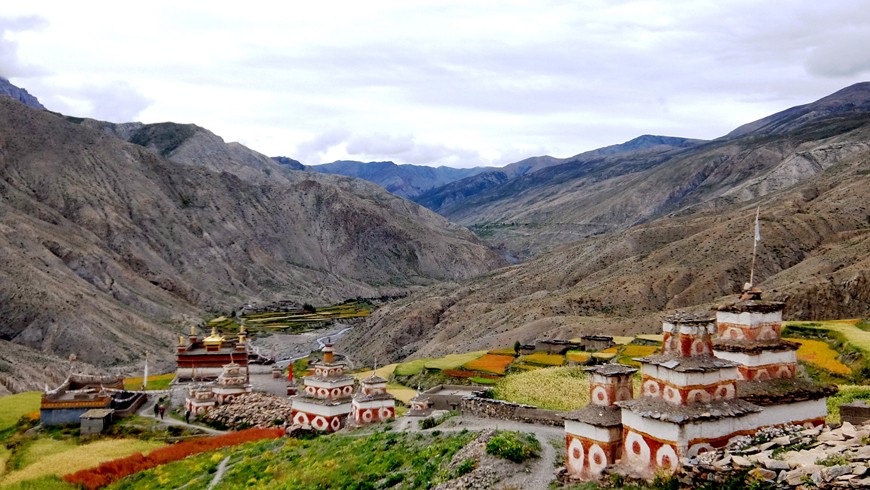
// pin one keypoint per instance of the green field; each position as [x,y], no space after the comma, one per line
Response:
[156,382]
[13,407]
[380,460]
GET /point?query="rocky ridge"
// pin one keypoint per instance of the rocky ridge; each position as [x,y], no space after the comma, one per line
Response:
[111,248]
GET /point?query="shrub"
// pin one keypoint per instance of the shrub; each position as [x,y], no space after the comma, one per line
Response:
[466,466]
[514,446]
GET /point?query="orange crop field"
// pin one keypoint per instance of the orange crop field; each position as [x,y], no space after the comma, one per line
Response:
[490,363]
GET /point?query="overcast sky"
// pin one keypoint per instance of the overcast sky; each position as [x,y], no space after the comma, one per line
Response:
[460,83]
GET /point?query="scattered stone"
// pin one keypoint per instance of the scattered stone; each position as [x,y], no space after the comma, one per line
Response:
[776,465]
[740,461]
[836,471]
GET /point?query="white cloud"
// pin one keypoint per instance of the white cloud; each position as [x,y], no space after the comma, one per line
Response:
[10,65]
[440,82]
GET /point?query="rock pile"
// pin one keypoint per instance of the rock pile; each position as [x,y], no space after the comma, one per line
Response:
[790,457]
[251,410]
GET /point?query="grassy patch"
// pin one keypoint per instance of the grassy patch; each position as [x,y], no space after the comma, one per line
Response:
[651,337]
[156,382]
[13,407]
[562,388]
[411,368]
[514,446]
[453,361]
[381,460]
[847,394]
[48,482]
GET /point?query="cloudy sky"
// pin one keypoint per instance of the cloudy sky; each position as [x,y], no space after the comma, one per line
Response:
[459,83]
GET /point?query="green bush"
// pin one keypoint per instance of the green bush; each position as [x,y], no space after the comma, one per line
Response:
[466,466]
[514,446]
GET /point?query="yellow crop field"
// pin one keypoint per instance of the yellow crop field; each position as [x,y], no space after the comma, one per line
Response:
[854,335]
[503,352]
[79,458]
[820,354]
[13,407]
[639,350]
[42,448]
[561,388]
[652,337]
[543,359]
[453,361]
[577,356]
[610,350]
[490,363]
[383,371]
[401,392]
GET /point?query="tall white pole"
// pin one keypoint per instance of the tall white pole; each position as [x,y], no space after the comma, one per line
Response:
[755,247]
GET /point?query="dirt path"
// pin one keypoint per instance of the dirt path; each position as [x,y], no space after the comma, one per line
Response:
[219,473]
[539,472]
[147,410]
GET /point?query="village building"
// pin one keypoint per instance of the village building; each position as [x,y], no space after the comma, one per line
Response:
[593,437]
[714,380]
[204,358]
[232,382]
[80,393]
[325,402]
[200,399]
[372,404]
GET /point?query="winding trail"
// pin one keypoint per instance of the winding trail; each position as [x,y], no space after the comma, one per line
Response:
[147,410]
[542,470]
[219,473]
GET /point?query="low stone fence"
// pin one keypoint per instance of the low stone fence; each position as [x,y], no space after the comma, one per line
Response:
[856,413]
[498,409]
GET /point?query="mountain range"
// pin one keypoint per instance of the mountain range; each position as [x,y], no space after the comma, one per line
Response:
[117,236]
[612,239]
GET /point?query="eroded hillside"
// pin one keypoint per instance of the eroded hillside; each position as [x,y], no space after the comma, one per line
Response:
[109,247]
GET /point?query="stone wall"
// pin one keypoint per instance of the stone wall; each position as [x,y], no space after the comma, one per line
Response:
[498,409]
[856,413]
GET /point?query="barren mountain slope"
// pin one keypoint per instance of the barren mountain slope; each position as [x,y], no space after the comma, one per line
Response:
[596,192]
[815,254]
[107,248]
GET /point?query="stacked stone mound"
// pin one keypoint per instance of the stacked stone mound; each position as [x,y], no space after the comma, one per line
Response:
[251,410]
[822,458]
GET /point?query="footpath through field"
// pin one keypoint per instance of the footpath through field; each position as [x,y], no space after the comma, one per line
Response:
[147,410]
[542,470]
